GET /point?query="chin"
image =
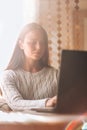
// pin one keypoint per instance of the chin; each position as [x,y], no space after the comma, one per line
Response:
[36,58]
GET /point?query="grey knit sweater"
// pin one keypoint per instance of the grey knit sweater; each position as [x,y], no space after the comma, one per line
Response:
[24,90]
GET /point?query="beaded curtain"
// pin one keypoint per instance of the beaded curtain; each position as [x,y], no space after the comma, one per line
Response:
[56,16]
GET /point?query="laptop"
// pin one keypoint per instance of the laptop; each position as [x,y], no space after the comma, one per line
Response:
[72,85]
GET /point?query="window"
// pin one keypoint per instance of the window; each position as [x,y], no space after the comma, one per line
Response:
[11,20]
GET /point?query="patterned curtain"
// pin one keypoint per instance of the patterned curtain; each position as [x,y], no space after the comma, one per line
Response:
[56,16]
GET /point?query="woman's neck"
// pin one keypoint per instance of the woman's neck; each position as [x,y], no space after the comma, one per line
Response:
[32,66]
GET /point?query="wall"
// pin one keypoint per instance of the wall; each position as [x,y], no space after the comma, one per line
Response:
[83,6]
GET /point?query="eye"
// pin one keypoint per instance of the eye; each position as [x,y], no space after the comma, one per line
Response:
[34,42]
[31,42]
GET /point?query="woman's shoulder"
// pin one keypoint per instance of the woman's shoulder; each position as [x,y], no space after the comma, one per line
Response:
[52,72]
[51,68]
[6,74]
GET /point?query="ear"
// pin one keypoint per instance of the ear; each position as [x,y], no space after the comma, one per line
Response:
[20,44]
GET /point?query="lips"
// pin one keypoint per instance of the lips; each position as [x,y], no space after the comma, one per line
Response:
[37,53]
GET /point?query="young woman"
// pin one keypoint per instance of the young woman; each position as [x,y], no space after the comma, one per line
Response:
[28,80]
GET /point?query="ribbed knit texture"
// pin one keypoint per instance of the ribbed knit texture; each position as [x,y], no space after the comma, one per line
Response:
[24,90]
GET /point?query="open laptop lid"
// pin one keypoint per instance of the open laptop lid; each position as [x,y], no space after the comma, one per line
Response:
[72,89]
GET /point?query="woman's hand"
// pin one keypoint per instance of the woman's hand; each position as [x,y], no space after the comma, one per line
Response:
[51,102]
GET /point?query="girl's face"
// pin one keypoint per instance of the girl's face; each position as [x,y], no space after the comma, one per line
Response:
[33,45]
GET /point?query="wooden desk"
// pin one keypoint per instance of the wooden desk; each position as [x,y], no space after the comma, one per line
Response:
[35,121]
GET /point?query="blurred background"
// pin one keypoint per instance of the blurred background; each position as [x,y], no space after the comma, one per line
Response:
[65,22]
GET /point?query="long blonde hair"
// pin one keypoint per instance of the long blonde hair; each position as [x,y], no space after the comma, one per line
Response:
[17,59]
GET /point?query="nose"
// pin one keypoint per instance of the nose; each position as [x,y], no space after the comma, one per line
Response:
[38,45]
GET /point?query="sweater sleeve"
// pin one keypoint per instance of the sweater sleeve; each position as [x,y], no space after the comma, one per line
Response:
[12,95]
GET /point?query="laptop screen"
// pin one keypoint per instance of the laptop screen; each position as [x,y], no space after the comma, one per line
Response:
[72,89]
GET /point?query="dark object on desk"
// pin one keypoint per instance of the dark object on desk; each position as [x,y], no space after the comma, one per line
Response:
[72,87]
